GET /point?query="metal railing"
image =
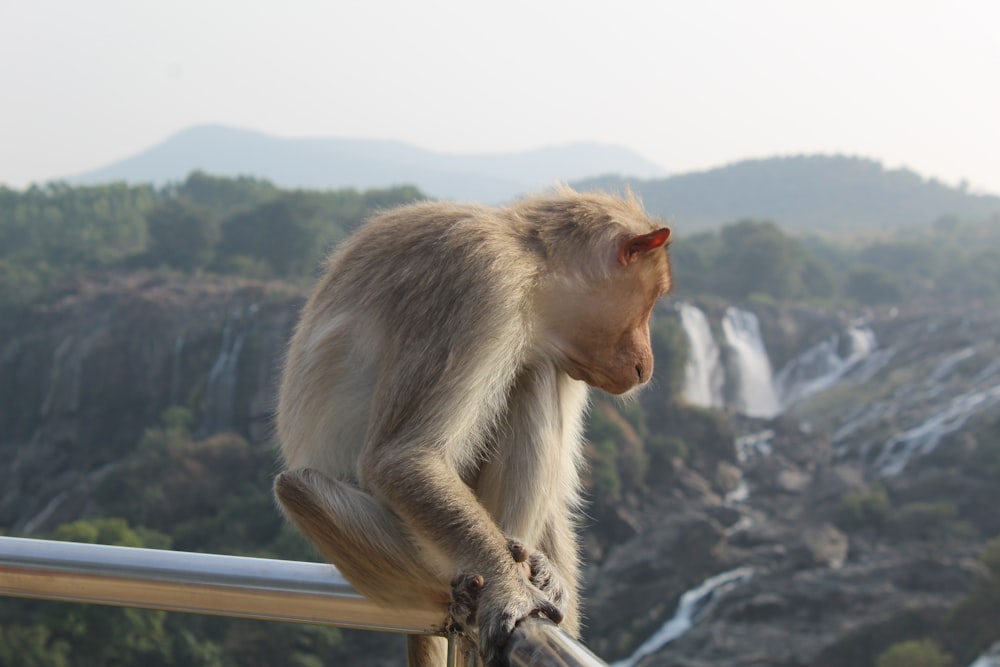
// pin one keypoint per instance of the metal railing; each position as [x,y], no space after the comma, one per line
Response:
[273,590]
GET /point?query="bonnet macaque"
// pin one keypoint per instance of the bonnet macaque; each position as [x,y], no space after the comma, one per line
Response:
[431,407]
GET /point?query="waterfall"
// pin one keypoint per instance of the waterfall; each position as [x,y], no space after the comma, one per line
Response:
[949,363]
[692,608]
[822,365]
[753,445]
[219,406]
[755,391]
[755,395]
[703,375]
[175,370]
[899,450]
[991,658]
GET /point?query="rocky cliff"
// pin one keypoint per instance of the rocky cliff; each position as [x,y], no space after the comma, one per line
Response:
[82,376]
[842,514]
[858,506]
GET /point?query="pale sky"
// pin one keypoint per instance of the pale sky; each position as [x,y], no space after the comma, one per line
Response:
[690,85]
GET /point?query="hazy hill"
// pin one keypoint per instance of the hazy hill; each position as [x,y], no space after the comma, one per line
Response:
[362,163]
[805,193]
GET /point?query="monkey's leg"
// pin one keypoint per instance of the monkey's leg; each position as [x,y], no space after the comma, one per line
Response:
[555,570]
[362,538]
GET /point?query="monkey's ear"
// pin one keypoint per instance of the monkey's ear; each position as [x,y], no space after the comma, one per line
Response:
[631,248]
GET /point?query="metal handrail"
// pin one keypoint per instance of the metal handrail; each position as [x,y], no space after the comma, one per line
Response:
[260,588]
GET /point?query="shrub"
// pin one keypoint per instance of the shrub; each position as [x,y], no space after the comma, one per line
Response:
[914,653]
[863,510]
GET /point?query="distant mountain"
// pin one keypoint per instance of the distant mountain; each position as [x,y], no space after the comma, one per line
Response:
[804,193]
[360,163]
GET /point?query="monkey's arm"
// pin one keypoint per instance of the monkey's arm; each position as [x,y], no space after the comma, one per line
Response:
[434,502]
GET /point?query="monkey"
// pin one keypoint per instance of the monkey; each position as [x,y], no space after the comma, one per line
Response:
[430,410]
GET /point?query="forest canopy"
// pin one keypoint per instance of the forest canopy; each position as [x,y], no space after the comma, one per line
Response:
[251,228]
[241,226]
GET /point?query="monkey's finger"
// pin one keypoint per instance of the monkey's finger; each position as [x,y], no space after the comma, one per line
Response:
[552,612]
[494,639]
[518,550]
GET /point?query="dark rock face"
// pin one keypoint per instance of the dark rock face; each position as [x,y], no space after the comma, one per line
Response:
[837,541]
[83,375]
[841,547]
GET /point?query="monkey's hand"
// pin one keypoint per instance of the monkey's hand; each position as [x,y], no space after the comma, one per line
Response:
[466,588]
[506,599]
[539,571]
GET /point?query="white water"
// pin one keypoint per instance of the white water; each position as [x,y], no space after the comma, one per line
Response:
[991,658]
[821,366]
[175,370]
[219,407]
[755,395]
[923,439]
[703,374]
[757,392]
[949,364]
[753,445]
[690,610]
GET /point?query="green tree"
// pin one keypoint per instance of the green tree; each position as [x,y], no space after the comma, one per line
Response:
[670,349]
[283,233]
[182,235]
[225,196]
[904,258]
[991,558]
[972,623]
[21,283]
[873,286]
[869,509]
[692,259]
[914,653]
[756,257]
[32,646]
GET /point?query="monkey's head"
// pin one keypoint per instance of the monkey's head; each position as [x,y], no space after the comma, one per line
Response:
[599,323]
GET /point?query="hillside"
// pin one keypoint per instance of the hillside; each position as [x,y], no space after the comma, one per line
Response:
[809,481]
[362,163]
[817,193]
[136,410]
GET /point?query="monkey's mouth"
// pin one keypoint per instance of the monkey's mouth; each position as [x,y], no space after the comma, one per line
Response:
[579,372]
[582,376]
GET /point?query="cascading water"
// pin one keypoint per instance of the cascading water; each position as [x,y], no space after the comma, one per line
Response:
[219,406]
[757,392]
[691,609]
[822,365]
[175,370]
[899,450]
[703,374]
[991,658]
[755,395]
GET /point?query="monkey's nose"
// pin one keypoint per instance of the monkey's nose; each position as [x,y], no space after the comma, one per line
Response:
[638,372]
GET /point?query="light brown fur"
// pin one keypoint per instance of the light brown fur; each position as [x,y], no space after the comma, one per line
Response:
[431,404]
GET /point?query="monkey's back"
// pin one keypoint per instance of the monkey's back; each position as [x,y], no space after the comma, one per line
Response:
[409,298]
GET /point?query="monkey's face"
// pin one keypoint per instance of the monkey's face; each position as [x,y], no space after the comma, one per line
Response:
[602,330]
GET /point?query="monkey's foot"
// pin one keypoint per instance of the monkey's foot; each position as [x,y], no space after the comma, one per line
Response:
[502,608]
[538,570]
[465,591]
[544,578]
[520,553]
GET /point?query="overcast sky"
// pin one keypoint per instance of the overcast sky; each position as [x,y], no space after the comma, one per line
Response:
[690,85]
